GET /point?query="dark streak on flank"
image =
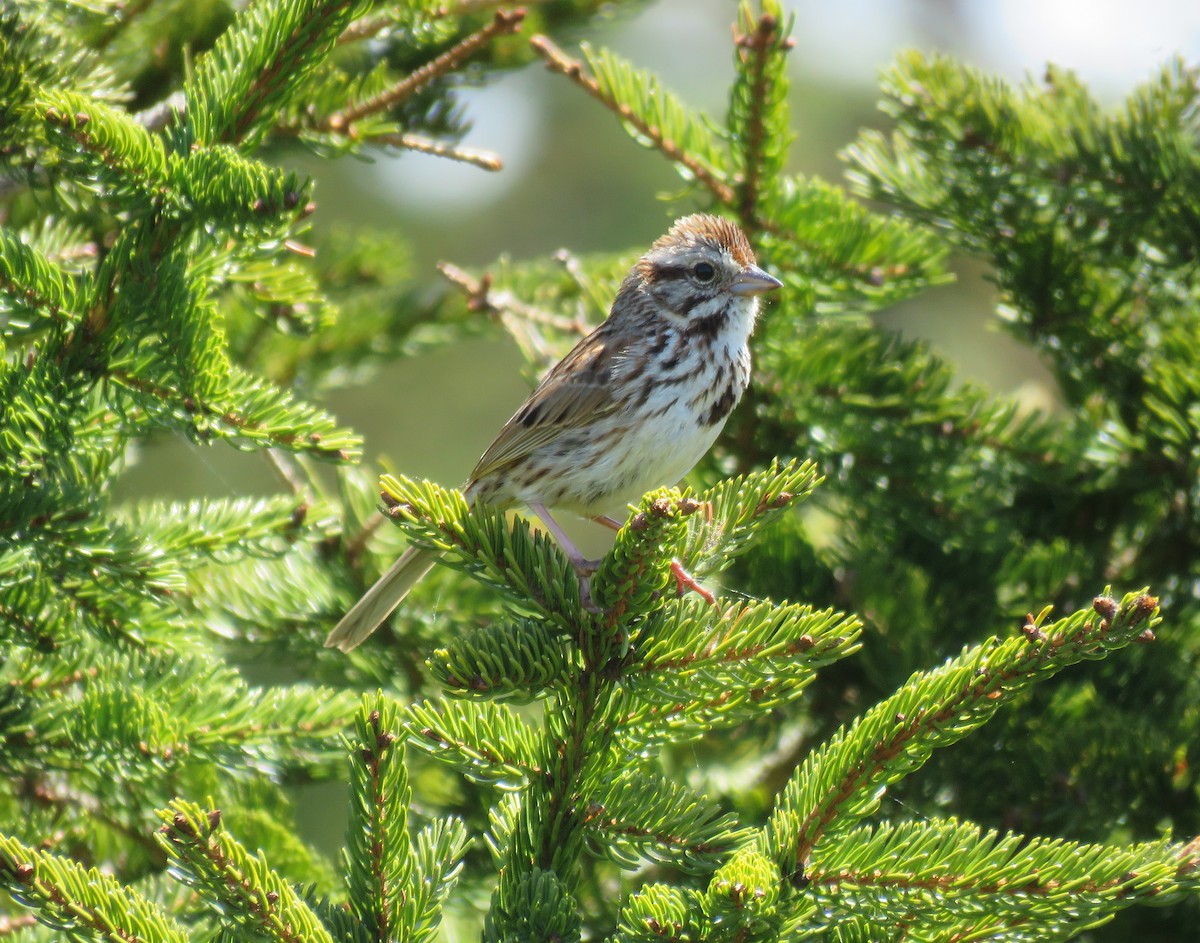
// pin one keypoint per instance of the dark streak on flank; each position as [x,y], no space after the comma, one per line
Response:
[664,409]
[643,395]
[674,378]
[722,406]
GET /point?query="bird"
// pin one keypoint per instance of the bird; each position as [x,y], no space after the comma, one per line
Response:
[633,406]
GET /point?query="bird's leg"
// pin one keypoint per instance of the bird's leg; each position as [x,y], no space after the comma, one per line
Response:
[581,563]
[684,581]
[584,567]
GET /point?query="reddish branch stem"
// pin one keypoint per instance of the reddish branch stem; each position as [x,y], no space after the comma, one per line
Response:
[504,22]
[558,61]
[757,46]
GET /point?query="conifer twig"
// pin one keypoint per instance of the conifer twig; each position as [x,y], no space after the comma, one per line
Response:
[755,47]
[219,866]
[367,27]
[995,678]
[357,544]
[481,297]
[485,160]
[266,81]
[370,26]
[558,61]
[229,417]
[517,317]
[504,22]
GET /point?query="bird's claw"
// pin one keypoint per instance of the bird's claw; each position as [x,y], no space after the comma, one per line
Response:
[585,569]
[686,583]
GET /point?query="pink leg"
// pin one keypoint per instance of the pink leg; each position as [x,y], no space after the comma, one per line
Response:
[581,563]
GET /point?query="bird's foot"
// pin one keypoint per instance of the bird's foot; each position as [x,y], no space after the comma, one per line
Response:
[585,569]
[686,583]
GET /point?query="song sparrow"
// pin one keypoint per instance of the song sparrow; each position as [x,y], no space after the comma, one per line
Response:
[632,407]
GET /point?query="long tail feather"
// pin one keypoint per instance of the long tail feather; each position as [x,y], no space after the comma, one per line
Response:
[379,601]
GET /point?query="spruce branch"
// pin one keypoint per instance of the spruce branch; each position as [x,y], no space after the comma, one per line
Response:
[379,853]
[638,816]
[68,803]
[35,286]
[659,912]
[263,415]
[692,638]
[96,720]
[503,23]
[952,871]
[227,530]
[240,886]
[438,852]
[743,896]
[107,143]
[82,902]
[841,782]
[486,742]
[240,86]
[518,661]
[659,118]
[223,188]
[758,115]
[633,577]
[484,160]
[738,510]
[532,904]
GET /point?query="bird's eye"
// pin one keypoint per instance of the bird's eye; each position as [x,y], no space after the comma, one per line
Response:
[704,272]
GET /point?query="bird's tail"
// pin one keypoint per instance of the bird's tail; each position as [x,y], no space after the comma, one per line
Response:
[379,601]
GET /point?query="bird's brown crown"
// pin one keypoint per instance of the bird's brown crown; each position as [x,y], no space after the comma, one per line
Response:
[701,228]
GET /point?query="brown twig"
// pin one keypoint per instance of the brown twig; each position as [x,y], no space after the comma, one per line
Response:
[518,318]
[368,27]
[356,546]
[504,22]
[558,61]
[371,26]
[485,160]
[481,297]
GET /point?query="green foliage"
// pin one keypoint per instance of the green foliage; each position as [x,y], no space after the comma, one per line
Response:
[396,886]
[639,766]
[239,89]
[82,902]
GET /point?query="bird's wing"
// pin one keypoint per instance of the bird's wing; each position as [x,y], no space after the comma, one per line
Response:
[574,393]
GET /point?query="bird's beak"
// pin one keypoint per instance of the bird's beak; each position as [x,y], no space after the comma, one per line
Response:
[754,281]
